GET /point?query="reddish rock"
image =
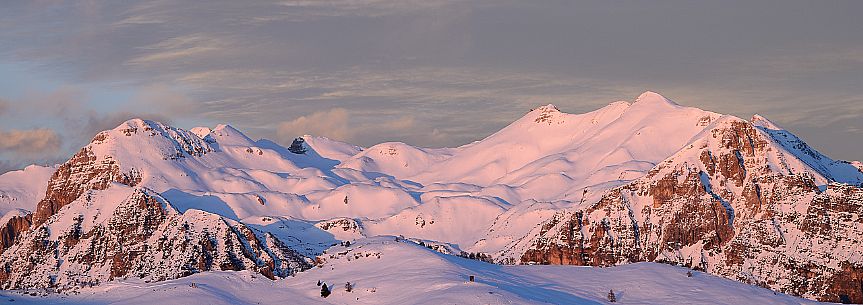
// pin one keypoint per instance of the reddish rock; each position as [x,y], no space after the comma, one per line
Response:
[726,212]
[15,227]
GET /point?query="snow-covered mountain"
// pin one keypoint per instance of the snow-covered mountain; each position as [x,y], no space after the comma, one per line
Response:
[646,181]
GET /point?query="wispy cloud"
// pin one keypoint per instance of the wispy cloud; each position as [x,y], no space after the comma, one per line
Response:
[332,123]
[40,142]
[178,48]
[337,123]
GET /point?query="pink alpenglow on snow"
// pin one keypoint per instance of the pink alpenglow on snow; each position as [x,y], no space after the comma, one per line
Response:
[150,213]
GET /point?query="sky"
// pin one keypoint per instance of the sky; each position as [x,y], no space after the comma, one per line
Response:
[431,73]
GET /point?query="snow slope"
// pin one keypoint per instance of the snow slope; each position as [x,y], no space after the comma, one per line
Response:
[396,159]
[384,271]
[546,146]
[22,189]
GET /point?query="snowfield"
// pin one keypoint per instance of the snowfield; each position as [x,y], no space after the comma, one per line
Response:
[384,271]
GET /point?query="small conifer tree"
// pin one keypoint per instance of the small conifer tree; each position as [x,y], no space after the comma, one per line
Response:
[611,297]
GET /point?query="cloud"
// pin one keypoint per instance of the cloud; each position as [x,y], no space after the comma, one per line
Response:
[178,48]
[163,101]
[340,124]
[332,123]
[796,62]
[405,122]
[33,141]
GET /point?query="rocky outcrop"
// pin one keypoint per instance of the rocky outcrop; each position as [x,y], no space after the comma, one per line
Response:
[339,224]
[726,206]
[342,228]
[142,237]
[15,226]
[83,172]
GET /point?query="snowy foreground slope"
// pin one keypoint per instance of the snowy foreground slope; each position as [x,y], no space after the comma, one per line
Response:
[384,271]
[641,181]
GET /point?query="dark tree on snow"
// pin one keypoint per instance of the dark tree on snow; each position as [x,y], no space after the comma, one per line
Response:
[611,297]
[349,287]
[319,283]
[297,146]
[325,291]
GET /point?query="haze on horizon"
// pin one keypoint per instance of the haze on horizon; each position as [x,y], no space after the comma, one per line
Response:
[428,73]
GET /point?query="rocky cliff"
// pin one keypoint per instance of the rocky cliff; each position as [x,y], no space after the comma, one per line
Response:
[96,224]
[735,202]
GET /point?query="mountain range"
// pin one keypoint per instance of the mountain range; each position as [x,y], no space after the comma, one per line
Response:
[632,182]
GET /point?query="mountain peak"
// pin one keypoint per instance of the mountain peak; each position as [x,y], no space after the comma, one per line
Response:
[653,98]
[763,122]
[133,123]
[228,135]
[201,131]
[546,108]
[221,127]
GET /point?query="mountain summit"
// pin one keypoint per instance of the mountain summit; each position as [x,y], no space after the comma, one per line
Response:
[653,98]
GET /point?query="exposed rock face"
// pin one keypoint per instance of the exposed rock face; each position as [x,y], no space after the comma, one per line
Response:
[142,237]
[724,206]
[83,172]
[16,226]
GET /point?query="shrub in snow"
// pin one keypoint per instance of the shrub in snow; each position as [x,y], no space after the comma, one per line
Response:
[349,287]
[477,256]
[325,291]
[611,297]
